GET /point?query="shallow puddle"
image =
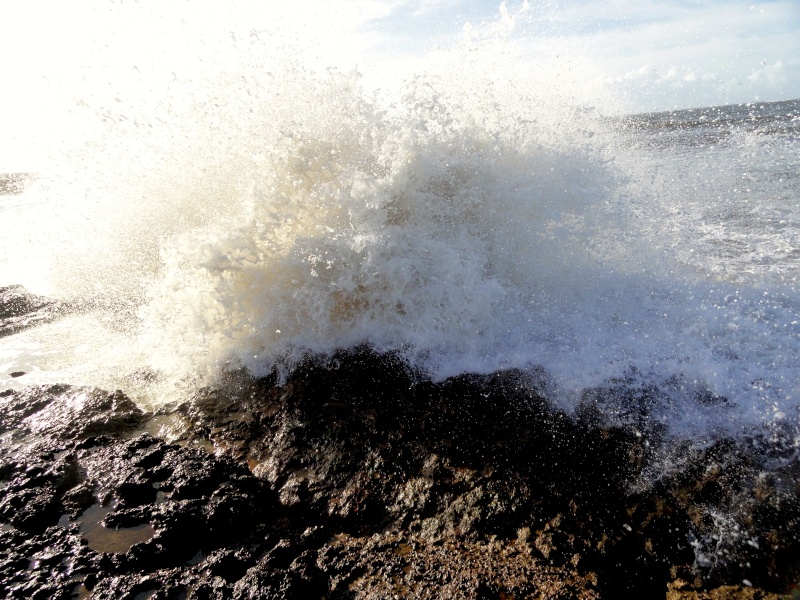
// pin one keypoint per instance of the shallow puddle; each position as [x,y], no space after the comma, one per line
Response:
[102,539]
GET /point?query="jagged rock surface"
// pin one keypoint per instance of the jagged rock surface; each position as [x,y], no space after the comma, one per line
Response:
[19,309]
[359,479]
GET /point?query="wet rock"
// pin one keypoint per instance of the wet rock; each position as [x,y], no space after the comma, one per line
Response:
[19,309]
[725,592]
[67,412]
[367,445]
[357,478]
[386,566]
[84,505]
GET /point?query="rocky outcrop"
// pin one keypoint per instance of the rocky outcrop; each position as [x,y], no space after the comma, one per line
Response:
[19,309]
[357,478]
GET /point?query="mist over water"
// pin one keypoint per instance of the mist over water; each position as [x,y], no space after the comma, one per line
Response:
[477,211]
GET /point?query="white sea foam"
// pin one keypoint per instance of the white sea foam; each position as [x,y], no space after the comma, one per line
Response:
[428,224]
[477,215]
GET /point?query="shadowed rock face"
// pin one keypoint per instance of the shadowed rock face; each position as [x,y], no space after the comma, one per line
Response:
[19,309]
[359,479]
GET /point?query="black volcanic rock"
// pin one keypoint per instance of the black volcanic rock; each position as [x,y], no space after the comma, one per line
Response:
[357,478]
[19,309]
[68,412]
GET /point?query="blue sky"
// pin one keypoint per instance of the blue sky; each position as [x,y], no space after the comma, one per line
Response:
[660,54]
[653,54]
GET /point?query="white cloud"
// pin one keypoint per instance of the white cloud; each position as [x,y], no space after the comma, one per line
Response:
[636,74]
[701,53]
[774,74]
[660,53]
[671,74]
[422,8]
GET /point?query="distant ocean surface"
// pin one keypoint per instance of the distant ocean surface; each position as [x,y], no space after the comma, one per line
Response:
[736,171]
[466,231]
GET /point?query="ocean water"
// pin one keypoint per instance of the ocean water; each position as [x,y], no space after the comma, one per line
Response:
[474,212]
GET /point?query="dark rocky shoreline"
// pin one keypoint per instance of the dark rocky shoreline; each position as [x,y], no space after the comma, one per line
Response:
[357,478]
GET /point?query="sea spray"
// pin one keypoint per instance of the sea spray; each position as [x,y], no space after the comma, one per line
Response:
[427,225]
[474,211]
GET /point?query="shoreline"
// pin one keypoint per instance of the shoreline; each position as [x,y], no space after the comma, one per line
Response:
[363,481]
